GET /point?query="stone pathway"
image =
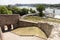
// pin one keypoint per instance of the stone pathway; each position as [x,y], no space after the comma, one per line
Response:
[11,36]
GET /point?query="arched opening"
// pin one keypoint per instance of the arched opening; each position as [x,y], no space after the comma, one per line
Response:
[5,27]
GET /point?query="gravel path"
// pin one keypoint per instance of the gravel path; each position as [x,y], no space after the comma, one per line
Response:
[11,36]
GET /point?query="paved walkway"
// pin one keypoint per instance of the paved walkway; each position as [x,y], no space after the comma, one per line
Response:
[11,36]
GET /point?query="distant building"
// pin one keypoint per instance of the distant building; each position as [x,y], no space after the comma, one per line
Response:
[49,15]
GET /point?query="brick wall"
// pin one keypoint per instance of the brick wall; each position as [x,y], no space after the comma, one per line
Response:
[14,19]
[8,19]
[26,24]
[46,28]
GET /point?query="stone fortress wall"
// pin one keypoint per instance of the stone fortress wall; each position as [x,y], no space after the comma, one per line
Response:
[14,20]
[45,27]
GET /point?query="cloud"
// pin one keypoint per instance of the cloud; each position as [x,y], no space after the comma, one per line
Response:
[2,2]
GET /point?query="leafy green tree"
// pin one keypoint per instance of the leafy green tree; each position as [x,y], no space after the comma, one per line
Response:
[23,11]
[40,8]
[9,12]
[4,10]
[32,11]
[15,10]
[9,7]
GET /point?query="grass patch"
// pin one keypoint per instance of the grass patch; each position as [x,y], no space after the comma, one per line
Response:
[37,19]
[30,31]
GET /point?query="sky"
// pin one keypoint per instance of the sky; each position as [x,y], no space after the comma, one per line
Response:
[6,2]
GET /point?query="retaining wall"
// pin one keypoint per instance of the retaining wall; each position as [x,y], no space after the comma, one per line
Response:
[26,24]
[45,27]
[14,19]
[8,19]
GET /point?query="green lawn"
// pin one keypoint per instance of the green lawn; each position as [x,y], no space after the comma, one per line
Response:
[30,31]
[37,19]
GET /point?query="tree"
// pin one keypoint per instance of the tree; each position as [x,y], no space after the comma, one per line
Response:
[15,10]
[4,10]
[23,11]
[9,12]
[32,11]
[40,9]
